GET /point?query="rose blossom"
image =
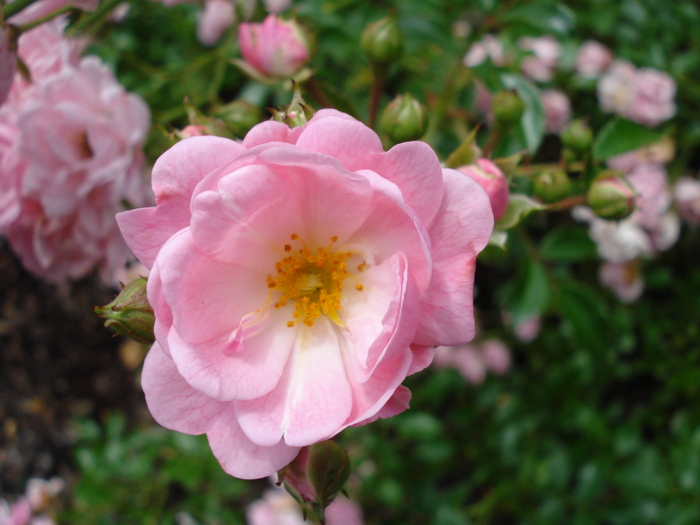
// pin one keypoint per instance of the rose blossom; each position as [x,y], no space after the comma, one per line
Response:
[557,110]
[214,20]
[653,96]
[592,59]
[69,155]
[622,278]
[658,153]
[277,507]
[275,48]
[686,193]
[487,47]
[297,278]
[616,86]
[541,64]
[491,178]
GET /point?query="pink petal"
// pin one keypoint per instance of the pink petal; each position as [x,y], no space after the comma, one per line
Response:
[313,400]
[242,458]
[422,357]
[164,316]
[171,400]
[265,132]
[461,230]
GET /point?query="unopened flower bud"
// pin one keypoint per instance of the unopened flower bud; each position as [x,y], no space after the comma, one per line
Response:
[494,183]
[404,119]
[507,107]
[239,116]
[130,313]
[611,196]
[552,185]
[382,41]
[316,475]
[577,135]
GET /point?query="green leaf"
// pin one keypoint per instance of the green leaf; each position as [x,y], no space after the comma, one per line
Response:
[587,313]
[567,244]
[519,207]
[620,136]
[556,18]
[466,153]
[532,123]
[528,294]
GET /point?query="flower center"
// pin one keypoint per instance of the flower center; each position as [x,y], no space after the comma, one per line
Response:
[312,280]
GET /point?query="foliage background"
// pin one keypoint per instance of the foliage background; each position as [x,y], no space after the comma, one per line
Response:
[598,422]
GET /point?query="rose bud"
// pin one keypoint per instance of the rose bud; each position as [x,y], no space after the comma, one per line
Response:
[507,107]
[275,49]
[577,135]
[316,475]
[382,41]
[495,184]
[552,185]
[130,313]
[611,196]
[404,119]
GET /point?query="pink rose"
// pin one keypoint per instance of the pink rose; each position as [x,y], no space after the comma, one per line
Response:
[491,178]
[557,110]
[592,59]
[624,279]
[8,63]
[615,87]
[487,47]
[652,100]
[71,154]
[217,17]
[541,64]
[297,278]
[686,193]
[275,48]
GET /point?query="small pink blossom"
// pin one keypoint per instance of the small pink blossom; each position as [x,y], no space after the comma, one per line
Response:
[616,86]
[8,63]
[557,110]
[474,360]
[70,150]
[653,97]
[592,59]
[491,178]
[277,507]
[496,355]
[624,279]
[686,193]
[528,329]
[276,48]
[482,101]
[214,20]
[488,47]
[277,6]
[297,278]
[541,64]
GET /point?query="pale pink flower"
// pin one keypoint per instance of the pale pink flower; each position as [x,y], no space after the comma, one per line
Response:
[658,153]
[491,178]
[74,156]
[277,6]
[482,101]
[653,194]
[652,100]
[616,86]
[277,507]
[541,64]
[487,47]
[528,329]
[686,193]
[592,59]
[557,110]
[624,279]
[214,20]
[297,278]
[496,355]
[8,63]
[275,48]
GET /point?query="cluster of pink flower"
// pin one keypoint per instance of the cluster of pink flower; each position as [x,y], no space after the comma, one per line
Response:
[32,508]
[653,227]
[70,157]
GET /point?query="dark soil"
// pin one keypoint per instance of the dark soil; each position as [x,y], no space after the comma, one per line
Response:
[57,363]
